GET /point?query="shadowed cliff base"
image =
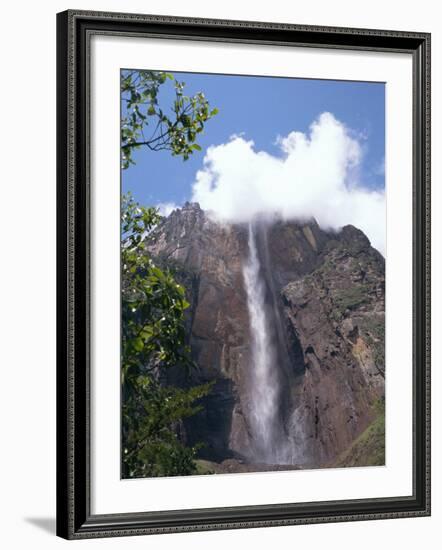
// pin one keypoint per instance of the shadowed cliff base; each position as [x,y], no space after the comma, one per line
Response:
[235,466]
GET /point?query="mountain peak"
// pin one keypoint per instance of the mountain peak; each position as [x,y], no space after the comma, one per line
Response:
[191,206]
[354,238]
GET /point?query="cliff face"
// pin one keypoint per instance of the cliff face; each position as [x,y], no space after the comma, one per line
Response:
[324,297]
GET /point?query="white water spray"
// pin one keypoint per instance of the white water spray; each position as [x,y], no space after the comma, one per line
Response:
[264,387]
[272,444]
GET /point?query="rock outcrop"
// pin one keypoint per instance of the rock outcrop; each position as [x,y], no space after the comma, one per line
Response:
[326,292]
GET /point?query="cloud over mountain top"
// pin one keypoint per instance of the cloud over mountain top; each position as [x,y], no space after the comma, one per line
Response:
[315,175]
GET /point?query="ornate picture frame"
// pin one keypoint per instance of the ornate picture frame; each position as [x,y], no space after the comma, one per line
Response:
[76,517]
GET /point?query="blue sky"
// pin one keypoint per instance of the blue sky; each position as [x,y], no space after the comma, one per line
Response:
[261,109]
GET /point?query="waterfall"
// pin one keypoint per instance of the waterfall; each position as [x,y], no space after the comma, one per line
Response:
[264,387]
[272,442]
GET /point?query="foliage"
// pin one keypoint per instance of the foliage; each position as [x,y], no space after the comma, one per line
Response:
[153,341]
[374,329]
[144,123]
[153,304]
[368,449]
[350,298]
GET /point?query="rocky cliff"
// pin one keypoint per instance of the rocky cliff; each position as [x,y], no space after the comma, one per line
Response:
[324,295]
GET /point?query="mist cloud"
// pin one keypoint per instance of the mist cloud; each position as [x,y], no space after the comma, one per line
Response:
[316,174]
[166,208]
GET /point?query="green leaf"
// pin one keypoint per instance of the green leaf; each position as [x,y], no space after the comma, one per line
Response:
[138,344]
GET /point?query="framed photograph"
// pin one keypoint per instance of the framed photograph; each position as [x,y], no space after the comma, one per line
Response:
[243,274]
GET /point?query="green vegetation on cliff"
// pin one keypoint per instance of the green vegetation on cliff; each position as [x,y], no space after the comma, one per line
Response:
[368,449]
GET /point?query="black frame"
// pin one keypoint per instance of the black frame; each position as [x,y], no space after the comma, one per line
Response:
[74,519]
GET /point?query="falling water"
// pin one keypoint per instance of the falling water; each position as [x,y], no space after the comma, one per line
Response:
[264,387]
[272,443]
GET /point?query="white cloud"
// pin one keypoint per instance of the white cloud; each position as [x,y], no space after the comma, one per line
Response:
[166,208]
[317,175]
